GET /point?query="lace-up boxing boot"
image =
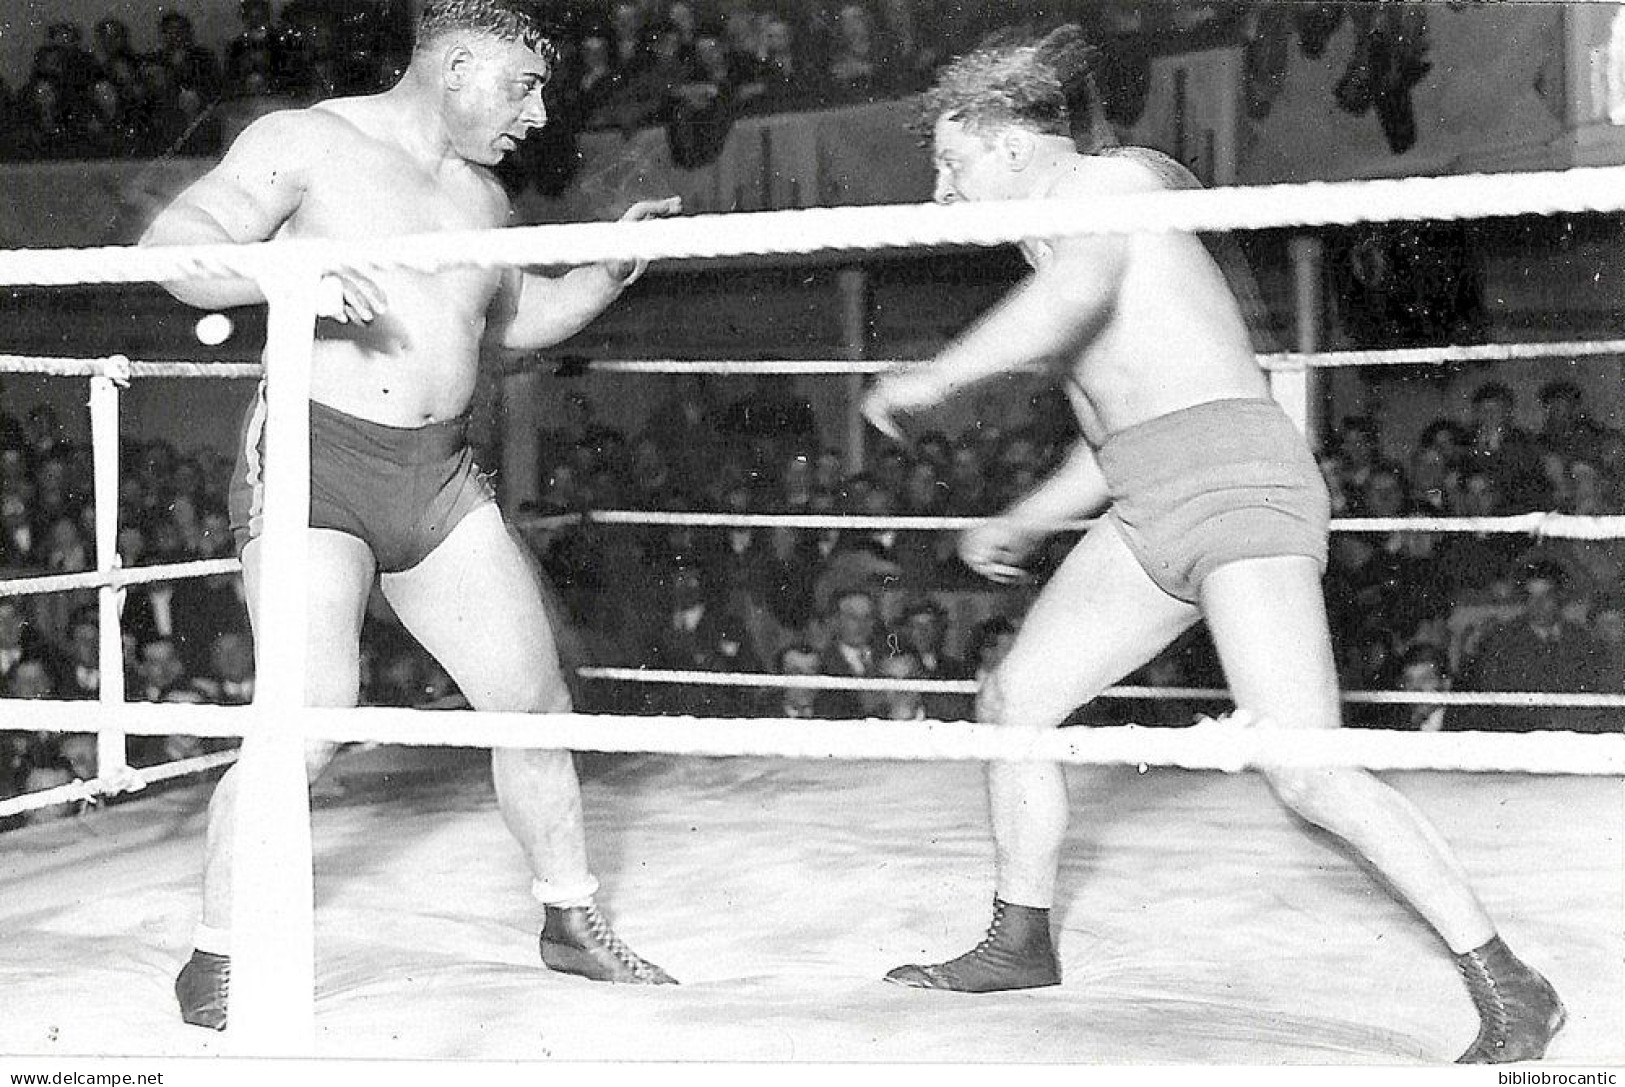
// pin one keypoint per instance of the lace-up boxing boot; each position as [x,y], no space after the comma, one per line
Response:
[1016,953]
[578,940]
[1518,1010]
[201,988]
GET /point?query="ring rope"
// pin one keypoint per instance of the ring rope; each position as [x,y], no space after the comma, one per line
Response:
[1543,525]
[1471,196]
[117,578]
[1282,362]
[130,779]
[1229,745]
[776,681]
[112,366]
[1279,362]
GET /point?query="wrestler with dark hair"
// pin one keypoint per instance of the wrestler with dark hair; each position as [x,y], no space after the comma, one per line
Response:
[395,494]
[1213,510]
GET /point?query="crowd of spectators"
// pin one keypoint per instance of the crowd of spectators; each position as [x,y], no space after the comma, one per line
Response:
[1423,611]
[692,65]
[1483,611]
[183,641]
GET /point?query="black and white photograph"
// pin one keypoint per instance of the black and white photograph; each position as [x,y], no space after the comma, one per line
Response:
[773,536]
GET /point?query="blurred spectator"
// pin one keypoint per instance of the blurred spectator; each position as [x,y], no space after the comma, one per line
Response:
[1537,651]
[990,641]
[923,632]
[1566,429]
[856,65]
[695,630]
[797,659]
[81,670]
[228,677]
[901,705]
[159,671]
[110,46]
[1423,668]
[1506,454]
[18,639]
[193,67]
[854,620]
[107,127]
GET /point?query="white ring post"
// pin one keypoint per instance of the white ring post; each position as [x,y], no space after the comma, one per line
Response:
[273,938]
[112,755]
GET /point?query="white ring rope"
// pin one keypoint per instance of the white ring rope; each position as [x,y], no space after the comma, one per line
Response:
[117,578]
[776,681]
[1473,196]
[1279,362]
[119,366]
[1541,525]
[1226,745]
[129,779]
[1284,362]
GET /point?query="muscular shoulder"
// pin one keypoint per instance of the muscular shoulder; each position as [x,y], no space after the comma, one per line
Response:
[292,138]
[1123,171]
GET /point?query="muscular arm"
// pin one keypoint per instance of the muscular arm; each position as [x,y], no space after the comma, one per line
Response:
[1077,489]
[245,198]
[539,311]
[1050,316]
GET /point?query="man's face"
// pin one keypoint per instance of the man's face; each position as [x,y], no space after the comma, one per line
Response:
[1542,599]
[499,101]
[968,165]
[855,620]
[1422,676]
[925,631]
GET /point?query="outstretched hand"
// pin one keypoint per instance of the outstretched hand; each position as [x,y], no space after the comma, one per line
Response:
[628,271]
[998,549]
[898,394]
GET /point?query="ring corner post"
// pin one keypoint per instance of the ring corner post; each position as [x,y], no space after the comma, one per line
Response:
[273,953]
[112,752]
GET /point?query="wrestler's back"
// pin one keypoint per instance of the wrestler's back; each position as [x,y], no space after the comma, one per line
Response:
[1175,336]
[418,362]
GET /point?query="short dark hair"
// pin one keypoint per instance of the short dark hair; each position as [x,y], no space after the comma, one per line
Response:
[1035,84]
[509,20]
[1494,390]
[1560,390]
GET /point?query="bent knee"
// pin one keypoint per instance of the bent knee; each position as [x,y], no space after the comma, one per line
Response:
[1017,696]
[521,694]
[1312,791]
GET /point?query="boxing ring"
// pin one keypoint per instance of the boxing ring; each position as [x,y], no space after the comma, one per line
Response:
[779,867]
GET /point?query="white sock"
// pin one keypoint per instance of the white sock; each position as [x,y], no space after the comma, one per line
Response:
[565,895]
[216,941]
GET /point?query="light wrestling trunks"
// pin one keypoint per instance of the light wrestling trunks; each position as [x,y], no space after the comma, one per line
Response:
[400,490]
[1213,484]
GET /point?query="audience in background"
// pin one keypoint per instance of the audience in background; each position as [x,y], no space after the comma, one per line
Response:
[693,65]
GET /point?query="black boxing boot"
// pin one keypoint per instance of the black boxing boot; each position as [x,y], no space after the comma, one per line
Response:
[1518,1010]
[578,940]
[1016,953]
[201,988]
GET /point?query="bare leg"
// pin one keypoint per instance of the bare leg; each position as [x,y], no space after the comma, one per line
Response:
[1099,618]
[478,605]
[339,570]
[1269,624]
[475,604]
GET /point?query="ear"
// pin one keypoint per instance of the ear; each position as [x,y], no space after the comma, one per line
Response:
[455,65]
[1017,148]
